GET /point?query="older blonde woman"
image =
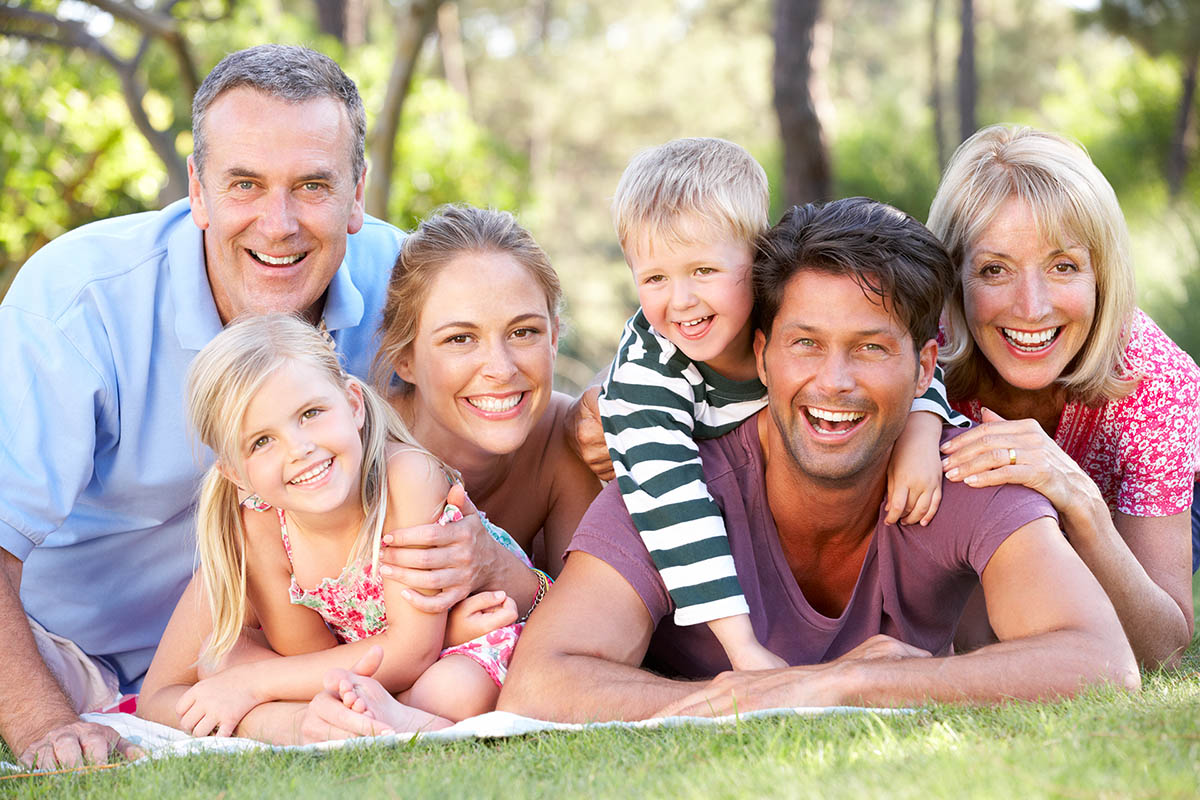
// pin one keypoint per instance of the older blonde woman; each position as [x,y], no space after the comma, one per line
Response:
[1081,396]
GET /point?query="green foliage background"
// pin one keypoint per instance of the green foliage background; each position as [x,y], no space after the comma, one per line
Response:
[563,92]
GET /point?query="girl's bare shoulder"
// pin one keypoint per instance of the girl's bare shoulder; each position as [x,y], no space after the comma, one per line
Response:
[417,486]
[264,540]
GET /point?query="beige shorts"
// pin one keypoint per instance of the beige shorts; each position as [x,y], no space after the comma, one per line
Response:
[88,682]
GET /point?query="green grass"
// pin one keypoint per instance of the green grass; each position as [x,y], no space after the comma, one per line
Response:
[1102,744]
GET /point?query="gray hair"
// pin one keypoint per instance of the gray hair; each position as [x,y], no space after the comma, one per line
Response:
[290,73]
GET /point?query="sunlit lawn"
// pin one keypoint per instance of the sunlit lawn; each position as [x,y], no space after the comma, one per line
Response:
[1105,744]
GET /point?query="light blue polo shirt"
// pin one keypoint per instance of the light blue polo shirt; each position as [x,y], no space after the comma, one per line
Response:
[98,474]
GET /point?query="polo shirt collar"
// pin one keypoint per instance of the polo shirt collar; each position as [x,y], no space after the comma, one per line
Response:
[196,317]
[344,304]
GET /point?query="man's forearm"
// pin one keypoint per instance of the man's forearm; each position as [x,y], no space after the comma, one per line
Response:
[31,701]
[577,688]
[1041,667]
[1045,666]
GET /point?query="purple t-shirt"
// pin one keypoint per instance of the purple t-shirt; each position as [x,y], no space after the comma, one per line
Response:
[913,583]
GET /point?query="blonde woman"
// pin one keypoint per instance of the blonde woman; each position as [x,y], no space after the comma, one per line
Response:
[1081,396]
[311,467]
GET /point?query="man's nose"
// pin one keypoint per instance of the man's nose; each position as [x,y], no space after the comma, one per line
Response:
[835,374]
[278,218]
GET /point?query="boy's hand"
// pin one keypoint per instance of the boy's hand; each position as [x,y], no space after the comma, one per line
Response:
[479,614]
[915,471]
[585,434]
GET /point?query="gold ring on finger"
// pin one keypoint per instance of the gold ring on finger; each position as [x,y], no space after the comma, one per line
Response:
[1012,457]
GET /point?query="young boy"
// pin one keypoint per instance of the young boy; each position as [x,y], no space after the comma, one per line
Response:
[687,214]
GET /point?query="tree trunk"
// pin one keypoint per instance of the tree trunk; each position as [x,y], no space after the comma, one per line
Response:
[1177,157]
[331,18]
[806,169]
[935,88]
[451,44]
[966,73]
[413,26]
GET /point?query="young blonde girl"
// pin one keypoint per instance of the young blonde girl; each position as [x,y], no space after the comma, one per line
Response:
[311,467]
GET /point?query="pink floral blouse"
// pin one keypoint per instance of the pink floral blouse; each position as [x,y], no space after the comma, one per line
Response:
[1142,451]
[351,604]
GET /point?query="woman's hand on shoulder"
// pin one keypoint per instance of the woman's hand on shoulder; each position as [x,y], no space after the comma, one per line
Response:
[442,564]
[1004,451]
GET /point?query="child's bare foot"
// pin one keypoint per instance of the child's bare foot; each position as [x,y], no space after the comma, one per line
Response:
[363,694]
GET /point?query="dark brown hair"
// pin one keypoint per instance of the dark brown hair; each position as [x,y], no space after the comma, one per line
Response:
[887,253]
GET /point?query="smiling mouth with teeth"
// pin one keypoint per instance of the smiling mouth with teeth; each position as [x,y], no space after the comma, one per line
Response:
[827,421]
[694,322]
[308,476]
[1030,341]
[496,405]
[272,261]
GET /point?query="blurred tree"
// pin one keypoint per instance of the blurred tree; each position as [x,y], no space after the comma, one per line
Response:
[151,24]
[935,85]
[807,174]
[1164,27]
[344,20]
[967,89]
[414,21]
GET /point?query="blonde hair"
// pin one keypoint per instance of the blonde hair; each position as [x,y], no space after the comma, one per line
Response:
[221,384]
[667,189]
[1069,197]
[447,233]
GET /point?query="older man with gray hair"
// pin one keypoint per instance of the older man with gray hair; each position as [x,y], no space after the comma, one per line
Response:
[96,334]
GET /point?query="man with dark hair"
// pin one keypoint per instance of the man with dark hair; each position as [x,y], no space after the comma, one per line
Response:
[96,334]
[848,296]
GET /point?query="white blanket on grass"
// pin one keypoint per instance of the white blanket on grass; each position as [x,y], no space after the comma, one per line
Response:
[160,741]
